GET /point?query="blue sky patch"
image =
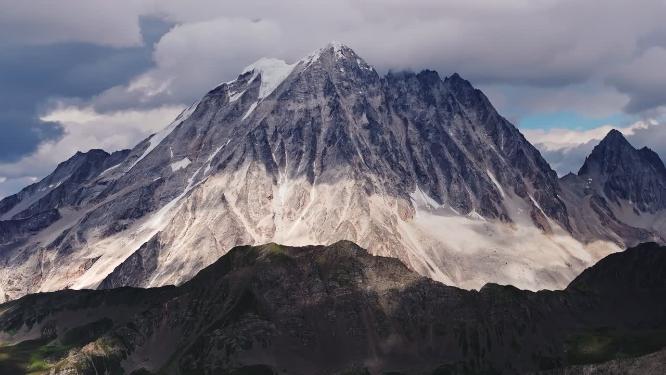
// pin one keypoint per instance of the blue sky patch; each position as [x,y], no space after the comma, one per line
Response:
[570,120]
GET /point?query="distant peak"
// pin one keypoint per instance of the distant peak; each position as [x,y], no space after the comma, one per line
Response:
[613,147]
[614,138]
[614,133]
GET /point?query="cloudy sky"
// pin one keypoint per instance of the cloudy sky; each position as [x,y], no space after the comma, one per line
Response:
[82,74]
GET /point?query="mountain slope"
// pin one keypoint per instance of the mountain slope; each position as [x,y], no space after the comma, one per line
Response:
[319,310]
[409,165]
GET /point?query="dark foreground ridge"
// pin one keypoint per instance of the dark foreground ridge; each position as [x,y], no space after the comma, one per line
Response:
[274,309]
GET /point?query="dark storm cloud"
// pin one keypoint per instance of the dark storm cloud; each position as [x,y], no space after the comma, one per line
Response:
[643,80]
[21,134]
[547,44]
[32,74]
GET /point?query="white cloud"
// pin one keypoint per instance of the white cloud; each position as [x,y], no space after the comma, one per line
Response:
[537,43]
[193,58]
[85,129]
[558,138]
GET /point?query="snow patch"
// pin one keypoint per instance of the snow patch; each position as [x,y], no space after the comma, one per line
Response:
[337,49]
[53,186]
[497,184]
[537,205]
[316,54]
[235,96]
[109,169]
[272,71]
[213,155]
[180,164]
[249,110]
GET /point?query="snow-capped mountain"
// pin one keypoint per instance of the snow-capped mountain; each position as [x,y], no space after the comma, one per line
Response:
[407,165]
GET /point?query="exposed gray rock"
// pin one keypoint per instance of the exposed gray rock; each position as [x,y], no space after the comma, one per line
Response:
[622,188]
[13,230]
[621,173]
[409,165]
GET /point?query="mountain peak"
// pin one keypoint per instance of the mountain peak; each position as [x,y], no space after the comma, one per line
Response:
[336,45]
[273,71]
[333,51]
[612,149]
[456,79]
[614,143]
[461,85]
[313,150]
[466,92]
[615,138]
[614,146]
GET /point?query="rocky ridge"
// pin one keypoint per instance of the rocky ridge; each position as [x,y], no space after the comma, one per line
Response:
[336,309]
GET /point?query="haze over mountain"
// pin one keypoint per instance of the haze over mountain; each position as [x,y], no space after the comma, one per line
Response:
[408,165]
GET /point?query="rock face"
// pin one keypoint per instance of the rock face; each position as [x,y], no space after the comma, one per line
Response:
[620,191]
[621,173]
[336,309]
[408,165]
[66,186]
